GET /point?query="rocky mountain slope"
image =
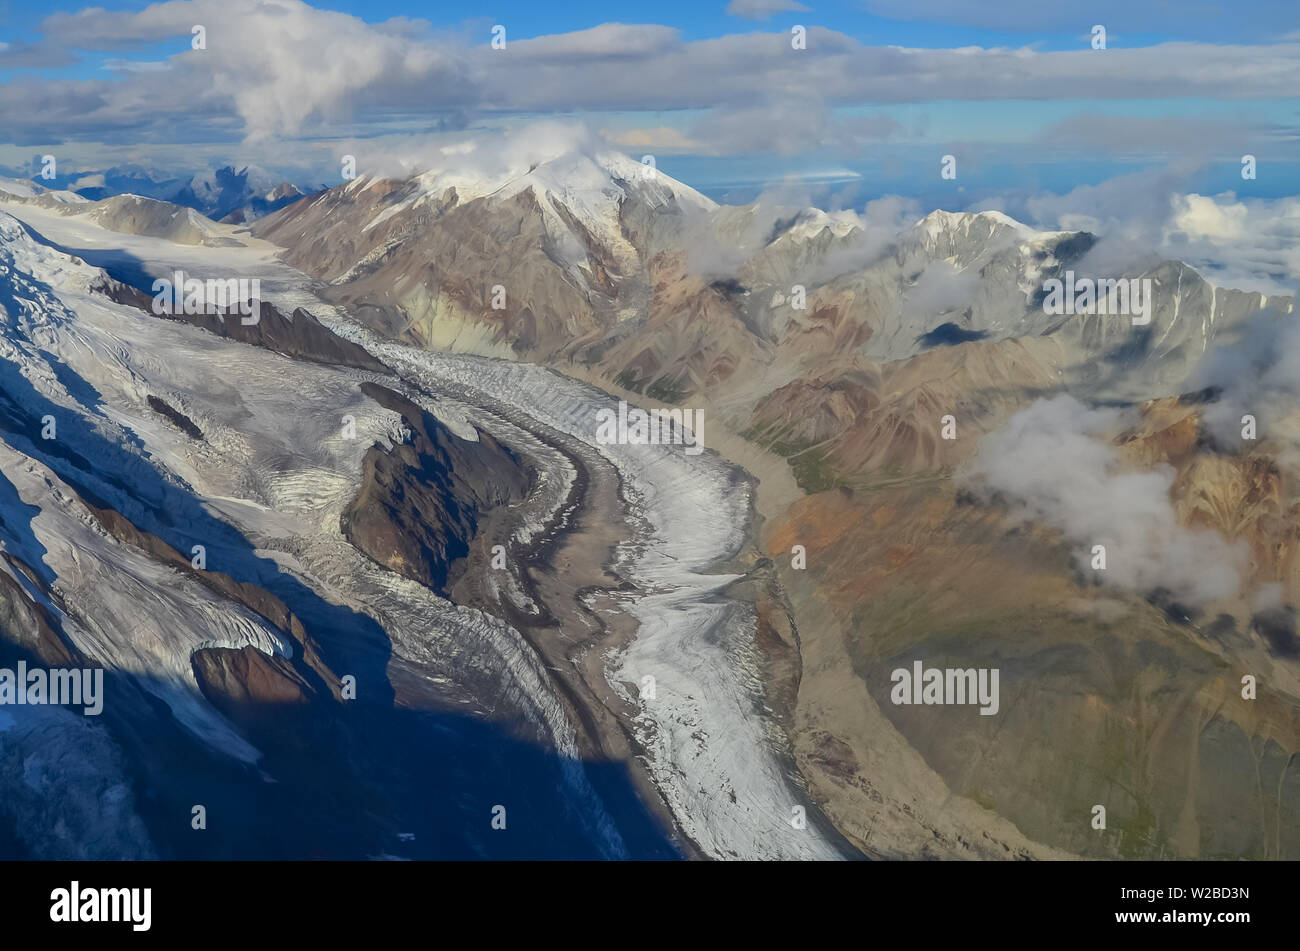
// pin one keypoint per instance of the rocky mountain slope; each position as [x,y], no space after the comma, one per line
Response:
[843,352]
[932,460]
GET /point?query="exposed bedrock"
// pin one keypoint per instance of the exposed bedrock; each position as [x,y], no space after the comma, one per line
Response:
[420,503]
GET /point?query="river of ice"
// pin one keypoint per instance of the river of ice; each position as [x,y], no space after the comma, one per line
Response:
[710,749]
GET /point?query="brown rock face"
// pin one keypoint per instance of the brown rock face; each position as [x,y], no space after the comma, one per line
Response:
[28,625]
[419,503]
[298,335]
[247,676]
[1107,697]
[252,596]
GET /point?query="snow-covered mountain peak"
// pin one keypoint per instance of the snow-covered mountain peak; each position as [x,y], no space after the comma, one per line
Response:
[965,223]
[212,183]
[593,180]
[577,190]
[810,222]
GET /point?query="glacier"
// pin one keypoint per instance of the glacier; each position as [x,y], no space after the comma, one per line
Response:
[711,752]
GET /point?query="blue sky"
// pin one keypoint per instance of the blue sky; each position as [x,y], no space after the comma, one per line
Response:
[695,20]
[717,97]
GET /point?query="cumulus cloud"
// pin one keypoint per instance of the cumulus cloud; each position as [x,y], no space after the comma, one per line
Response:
[610,42]
[877,227]
[278,66]
[1200,217]
[483,156]
[1135,206]
[718,247]
[940,289]
[281,67]
[842,71]
[1253,244]
[1156,214]
[1054,462]
[1256,369]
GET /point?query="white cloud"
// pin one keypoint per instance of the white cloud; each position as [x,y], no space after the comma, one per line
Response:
[1256,368]
[1246,243]
[282,68]
[1201,217]
[1054,462]
[941,288]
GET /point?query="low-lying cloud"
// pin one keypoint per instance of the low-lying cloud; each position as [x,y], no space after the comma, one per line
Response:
[1144,217]
[1054,462]
[1256,370]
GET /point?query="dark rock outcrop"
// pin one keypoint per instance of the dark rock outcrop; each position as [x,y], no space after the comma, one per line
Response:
[420,503]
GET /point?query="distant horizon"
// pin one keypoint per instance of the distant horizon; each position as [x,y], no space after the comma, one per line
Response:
[726,97]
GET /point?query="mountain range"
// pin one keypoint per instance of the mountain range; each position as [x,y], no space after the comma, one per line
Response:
[911,458]
[235,195]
